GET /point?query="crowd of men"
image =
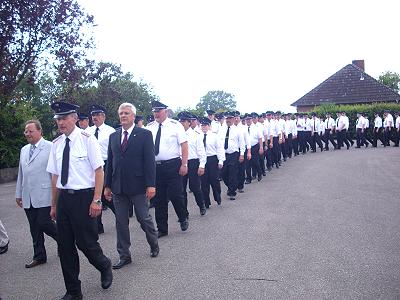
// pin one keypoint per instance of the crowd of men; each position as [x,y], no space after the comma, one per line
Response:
[135,167]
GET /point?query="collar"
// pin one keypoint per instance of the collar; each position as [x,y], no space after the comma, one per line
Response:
[129,129]
[73,134]
[37,144]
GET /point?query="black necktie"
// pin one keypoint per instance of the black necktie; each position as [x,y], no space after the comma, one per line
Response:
[124,141]
[157,143]
[204,140]
[96,134]
[248,129]
[226,138]
[314,125]
[65,163]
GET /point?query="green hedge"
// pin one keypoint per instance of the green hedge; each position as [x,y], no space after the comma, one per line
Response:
[352,110]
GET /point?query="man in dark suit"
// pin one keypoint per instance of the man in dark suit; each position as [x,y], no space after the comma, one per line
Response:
[130,179]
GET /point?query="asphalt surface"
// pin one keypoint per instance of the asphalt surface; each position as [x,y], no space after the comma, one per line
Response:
[323,226]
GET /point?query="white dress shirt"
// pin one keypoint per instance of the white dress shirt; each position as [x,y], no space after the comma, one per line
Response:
[103,137]
[378,122]
[129,130]
[314,125]
[235,142]
[346,122]
[214,146]
[255,134]
[275,128]
[307,125]
[329,123]
[172,136]
[300,124]
[388,122]
[398,122]
[85,157]
[196,147]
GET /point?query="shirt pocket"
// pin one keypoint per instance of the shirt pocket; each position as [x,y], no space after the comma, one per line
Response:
[79,158]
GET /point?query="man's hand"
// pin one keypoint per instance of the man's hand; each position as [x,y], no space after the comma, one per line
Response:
[183,170]
[248,155]
[19,201]
[220,166]
[53,213]
[271,145]
[95,209]
[200,171]
[241,158]
[108,194]
[261,151]
[150,192]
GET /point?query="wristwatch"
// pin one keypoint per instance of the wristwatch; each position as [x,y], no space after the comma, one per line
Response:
[98,201]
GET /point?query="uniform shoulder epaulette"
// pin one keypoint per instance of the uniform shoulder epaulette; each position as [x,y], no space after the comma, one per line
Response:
[84,133]
[151,123]
[57,138]
[173,121]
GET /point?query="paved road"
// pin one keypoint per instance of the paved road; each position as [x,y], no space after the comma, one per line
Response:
[324,226]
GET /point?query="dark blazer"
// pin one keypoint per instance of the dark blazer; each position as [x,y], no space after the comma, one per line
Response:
[132,171]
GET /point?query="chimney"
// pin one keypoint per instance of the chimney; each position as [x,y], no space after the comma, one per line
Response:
[359,63]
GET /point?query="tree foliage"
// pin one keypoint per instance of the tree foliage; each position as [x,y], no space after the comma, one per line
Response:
[38,32]
[217,101]
[390,79]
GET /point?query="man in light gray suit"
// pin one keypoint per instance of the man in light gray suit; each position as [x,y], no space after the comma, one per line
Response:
[33,191]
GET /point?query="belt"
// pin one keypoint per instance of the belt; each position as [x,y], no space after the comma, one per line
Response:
[69,191]
[163,162]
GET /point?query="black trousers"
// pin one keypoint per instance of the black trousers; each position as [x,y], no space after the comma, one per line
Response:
[194,183]
[377,134]
[211,178]
[387,136]
[316,139]
[329,138]
[105,203]
[289,145]
[342,135]
[169,186]
[77,229]
[40,223]
[262,160]
[254,163]
[307,138]
[348,138]
[230,172]
[269,155]
[242,172]
[360,137]
[275,149]
[302,141]
[295,143]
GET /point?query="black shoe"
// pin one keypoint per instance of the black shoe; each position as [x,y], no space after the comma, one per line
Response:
[269,169]
[231,198]
[4,249]
[247,182]
[264,174]
[35,263]
[72,297]
[100,230]
[154,251]
[259,178]
[203,210]
[184,225]
[106,277]
[219,202]
[358,147]
[348,147]
[277,166]
[284,159]
[240,191]
[207,206]
[121,263]
[162,233]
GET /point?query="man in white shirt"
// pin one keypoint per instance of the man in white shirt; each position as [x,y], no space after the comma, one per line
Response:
[234,146]
[247,157]
[263,128]
[214,123]
[196,162]
[341,131]
[388,125]
[253,167]
[268,140]
[215,160]
[329,126]
[377,131]
[171,150]
[76,165]
[347,138]
[397,129]
[300,125]
[101,131]
[276,134]
[315,138]
[360,128]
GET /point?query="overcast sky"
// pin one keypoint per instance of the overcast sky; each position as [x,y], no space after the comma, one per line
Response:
[267,53]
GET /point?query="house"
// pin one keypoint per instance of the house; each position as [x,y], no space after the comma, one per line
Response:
[350,85]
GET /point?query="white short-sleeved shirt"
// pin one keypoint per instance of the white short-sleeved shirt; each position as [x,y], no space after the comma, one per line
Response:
[215,125]
[300,124]
[103,137]
[329,123]
[388,122]
[214,146]
[314,124]
[235,141]
[255,134]
[398,122]
[196,147]
[85,157]
[172,136]
[378,122]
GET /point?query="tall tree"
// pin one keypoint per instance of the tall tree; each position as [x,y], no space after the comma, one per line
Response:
[216,100]
[38,32]
[390,79]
